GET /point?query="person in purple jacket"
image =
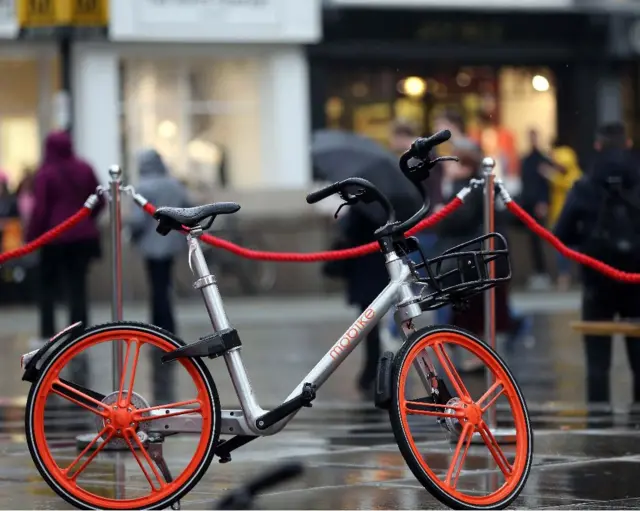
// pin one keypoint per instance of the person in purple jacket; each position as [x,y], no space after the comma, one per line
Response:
[61,186]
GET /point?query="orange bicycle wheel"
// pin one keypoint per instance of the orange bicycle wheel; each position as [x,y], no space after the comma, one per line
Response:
[136,477]
[464,476]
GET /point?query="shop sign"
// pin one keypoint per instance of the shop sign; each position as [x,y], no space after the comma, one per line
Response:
[68,13]
[44,17]
[216,20]
[8,19]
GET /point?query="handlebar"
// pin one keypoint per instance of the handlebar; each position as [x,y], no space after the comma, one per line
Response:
[325,192]
[420,151]
[423,146]
[368,194]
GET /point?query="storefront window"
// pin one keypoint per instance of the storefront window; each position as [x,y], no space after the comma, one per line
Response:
[199,115]
[499,105]
[26,93]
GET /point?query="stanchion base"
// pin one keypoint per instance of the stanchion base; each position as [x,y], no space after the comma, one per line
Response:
[82,441]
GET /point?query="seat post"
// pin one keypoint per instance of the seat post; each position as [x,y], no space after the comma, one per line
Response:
[206,282]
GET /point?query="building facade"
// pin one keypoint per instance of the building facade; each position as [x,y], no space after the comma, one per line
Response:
[230,91]
[560,67]
[219,88]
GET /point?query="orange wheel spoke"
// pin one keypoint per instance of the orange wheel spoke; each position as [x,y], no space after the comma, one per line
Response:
[451,371]
[125,371]
[488,393]
[86,450]
[167,407]
[459,455]
[433,409]
[495,450]
[79,398]
[148,460]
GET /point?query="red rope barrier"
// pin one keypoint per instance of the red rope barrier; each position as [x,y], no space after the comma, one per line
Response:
[584,259]
[47,237]
[329,255]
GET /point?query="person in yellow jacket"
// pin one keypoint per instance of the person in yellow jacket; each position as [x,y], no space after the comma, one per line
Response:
[564,172]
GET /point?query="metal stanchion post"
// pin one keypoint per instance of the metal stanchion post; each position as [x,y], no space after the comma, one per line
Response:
[115,213]
[488,167]
[115,182]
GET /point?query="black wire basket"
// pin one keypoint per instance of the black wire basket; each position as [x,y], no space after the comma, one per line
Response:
[461,271]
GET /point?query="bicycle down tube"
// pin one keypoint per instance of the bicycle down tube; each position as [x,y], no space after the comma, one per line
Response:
[243,421]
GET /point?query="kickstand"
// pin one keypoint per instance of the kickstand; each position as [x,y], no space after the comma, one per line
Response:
[155,451]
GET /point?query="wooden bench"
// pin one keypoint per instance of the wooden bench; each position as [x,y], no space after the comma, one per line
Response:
[608,328]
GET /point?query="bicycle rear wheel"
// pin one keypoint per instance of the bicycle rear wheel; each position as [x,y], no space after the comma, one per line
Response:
[135,477]
[470,477]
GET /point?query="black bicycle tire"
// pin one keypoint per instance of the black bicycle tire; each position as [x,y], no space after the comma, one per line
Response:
[177,343]
[400,436]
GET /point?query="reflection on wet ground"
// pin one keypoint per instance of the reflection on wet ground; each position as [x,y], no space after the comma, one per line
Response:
[586,459]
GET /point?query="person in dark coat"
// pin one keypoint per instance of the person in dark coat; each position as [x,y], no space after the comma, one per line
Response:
[603,298]
[465,224]
[365,277]
[535,201]
[62,184]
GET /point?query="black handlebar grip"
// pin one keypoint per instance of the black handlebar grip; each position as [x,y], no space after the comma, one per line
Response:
[422,147]
[323,193]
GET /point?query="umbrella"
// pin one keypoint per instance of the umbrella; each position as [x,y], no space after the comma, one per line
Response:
[337,155]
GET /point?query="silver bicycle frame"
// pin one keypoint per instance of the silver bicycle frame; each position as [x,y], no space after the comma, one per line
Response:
[399,292]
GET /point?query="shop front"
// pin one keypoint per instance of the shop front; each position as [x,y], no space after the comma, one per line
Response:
[220,88]
[505,73]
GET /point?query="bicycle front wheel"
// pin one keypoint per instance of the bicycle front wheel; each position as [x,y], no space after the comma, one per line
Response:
[466,476]
[144,471]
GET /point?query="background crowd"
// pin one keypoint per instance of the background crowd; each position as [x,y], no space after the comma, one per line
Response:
[594,210]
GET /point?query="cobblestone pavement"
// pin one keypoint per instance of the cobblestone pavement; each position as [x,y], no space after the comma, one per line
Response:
[582,459]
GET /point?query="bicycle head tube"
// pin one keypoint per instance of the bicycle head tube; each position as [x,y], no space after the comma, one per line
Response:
[407,301]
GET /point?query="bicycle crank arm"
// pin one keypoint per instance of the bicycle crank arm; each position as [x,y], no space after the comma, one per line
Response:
[233,422]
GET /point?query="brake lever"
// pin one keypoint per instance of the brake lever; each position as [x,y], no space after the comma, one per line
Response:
[350,199]
[335,215]
[440,159]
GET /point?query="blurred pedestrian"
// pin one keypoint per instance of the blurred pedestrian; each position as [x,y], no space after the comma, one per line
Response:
[61,186]
[601,217]
[8,206]
[462,226]
[365,278]
[403,134]
[159,187]
[534,198]
[562,173]
[26,197]
[471,150]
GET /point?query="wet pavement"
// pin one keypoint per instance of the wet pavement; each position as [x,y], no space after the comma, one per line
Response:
[582,459]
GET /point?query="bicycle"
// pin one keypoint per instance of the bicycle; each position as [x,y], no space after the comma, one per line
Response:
[126,417]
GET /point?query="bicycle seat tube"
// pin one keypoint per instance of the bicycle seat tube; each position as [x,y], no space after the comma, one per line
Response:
[206,282]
